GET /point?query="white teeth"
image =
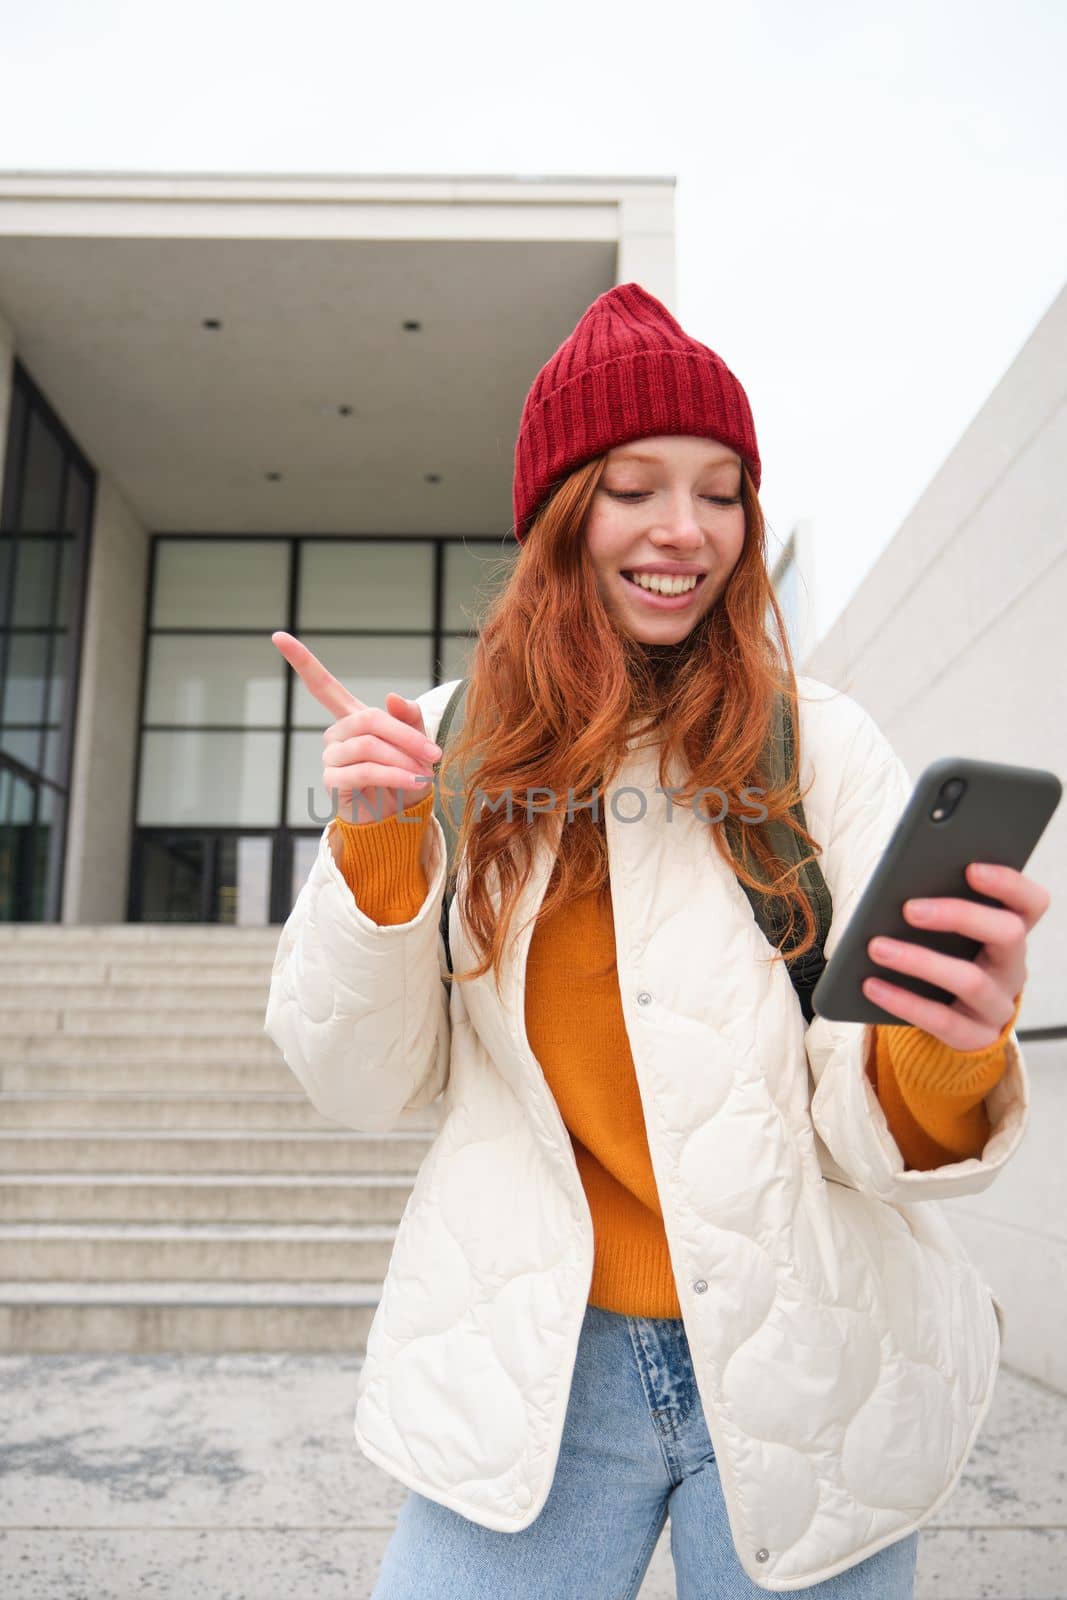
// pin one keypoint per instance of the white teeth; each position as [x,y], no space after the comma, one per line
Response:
[662,585]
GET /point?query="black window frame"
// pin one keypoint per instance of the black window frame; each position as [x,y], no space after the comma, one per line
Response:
[283,833]
[27,398]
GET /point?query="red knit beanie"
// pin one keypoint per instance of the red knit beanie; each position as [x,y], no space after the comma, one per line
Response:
[628,371]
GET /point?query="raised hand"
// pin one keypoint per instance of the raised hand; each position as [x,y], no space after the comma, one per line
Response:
[369,753]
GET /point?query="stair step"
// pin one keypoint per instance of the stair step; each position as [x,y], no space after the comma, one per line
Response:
[61,1048]
[165,1181]
[188,1315]
[170,1110]
[215,1151]
[196,951]
[186,1022]
[212,999]
[154,961]
[215,1197]
[97,1076]
[31,972]
[228,1252]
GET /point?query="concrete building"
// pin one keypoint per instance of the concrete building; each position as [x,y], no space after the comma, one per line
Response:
[953,642]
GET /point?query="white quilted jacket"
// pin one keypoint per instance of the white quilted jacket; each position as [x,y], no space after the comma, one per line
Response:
[845,1346]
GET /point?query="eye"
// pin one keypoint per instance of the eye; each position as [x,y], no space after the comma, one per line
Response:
[634,494]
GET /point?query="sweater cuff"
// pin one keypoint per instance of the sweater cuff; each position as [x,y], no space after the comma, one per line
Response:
[381,863]
[933,1096]
[927,1066]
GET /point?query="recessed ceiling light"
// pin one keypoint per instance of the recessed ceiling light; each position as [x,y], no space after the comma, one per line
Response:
[211,322]
[412,327]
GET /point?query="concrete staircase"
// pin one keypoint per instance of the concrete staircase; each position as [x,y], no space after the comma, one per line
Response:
[165,1184]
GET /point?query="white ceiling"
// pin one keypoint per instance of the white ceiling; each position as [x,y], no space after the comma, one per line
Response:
[188,422]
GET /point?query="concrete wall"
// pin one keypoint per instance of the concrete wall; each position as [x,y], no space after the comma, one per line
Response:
[954,643]
[98,842]
[646,242]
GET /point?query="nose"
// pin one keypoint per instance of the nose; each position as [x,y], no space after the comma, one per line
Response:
[679,527]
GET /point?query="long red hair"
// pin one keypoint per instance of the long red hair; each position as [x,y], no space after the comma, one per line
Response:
[554,688]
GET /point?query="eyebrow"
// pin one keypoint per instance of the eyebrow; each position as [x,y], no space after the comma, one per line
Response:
[654,461]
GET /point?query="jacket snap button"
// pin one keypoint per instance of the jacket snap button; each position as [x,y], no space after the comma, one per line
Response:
[761,1554]
[700,1285]
[644,998]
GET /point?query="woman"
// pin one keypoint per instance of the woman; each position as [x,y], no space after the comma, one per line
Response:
[672,1251]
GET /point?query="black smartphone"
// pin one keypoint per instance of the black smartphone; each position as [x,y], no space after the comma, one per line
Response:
[960,811]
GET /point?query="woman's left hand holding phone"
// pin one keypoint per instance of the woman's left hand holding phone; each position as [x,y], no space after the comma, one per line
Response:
[987,986]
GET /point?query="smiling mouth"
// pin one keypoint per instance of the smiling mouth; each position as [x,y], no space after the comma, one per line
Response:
[668,593]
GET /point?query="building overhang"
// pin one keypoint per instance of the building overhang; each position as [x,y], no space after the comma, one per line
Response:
[110,282]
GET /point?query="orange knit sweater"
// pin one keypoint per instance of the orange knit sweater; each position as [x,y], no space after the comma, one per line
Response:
[932,1096]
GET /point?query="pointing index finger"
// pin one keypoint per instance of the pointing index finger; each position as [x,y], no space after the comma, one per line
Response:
[317,679]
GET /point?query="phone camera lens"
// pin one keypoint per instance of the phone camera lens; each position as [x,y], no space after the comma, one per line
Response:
[947,796]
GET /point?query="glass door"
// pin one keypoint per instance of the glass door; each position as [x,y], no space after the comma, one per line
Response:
[185,875]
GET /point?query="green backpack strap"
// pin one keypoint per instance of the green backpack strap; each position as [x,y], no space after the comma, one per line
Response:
[806,971]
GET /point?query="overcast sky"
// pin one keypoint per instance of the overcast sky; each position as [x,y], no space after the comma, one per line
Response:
[871,200]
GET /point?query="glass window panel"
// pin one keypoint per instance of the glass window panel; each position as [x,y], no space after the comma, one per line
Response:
[9,909]
[370,583]
[172,870]
[76,510]
[43,482]
[39,842]
[22,850]
[34,572]
[50,805]
[24,745]
[242,881]
[25,685]
[202,679]
[53,757]
[59,682]
[367,667]
[221,583]
[305,849]
[68,555]
[455,657]
[225,779]
[473,574]
[16,798]
[8,556]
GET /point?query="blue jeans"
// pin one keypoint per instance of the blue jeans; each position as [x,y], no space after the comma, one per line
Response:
[635,1449]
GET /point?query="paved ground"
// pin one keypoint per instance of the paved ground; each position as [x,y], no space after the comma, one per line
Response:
[236,1477]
